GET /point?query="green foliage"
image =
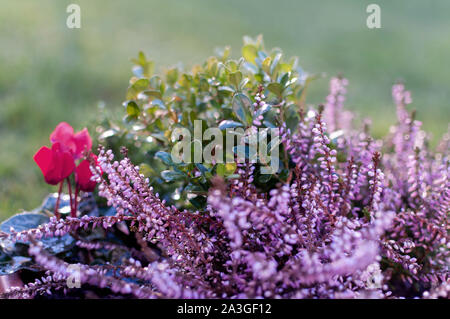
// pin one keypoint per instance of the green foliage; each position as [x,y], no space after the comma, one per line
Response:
[219,93]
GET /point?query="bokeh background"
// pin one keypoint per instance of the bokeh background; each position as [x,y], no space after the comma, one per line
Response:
[49,73]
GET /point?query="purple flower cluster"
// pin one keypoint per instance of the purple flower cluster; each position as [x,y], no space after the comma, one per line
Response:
[60,227]
[355,218]
[43,286]
[335,114]
[90,275]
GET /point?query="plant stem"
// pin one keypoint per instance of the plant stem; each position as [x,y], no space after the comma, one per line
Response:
[70,196]
[56,212]
[75,205]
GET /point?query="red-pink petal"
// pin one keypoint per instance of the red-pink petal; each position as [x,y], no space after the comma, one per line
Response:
[83,176]
[83,142]
[43,159]
[55,163]
[64,134]
[68,165]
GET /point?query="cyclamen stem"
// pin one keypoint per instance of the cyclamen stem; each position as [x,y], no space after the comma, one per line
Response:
[75,205]
[70,196]
[57,200]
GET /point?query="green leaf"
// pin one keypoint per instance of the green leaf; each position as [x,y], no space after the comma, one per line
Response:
[143,66]
[152,94]
[284,174]
[146,170]
[195,189]
[274,64]
[199,202]
[165,157]
[141,58]
[132,109]
[366,213]
[264,178]
[235,78]
[266,65]
[292,117]
[275,88]
[229,124]
[284,79]
[223,53]
[251,68]
[136,88]
[225,169]
[241,108]
[172,76]
[243,83]
[172,176]
[249,52]
[226,88]
[156,83]
[232,66]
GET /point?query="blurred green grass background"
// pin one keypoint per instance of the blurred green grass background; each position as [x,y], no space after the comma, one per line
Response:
[49,73]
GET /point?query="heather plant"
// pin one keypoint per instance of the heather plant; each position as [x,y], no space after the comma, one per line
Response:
[344,216]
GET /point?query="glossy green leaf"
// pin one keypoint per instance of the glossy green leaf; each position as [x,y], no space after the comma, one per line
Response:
[132,109]
[274,63]
[136,88]
[165,157]
[229,124]
[241,107]
[172,176]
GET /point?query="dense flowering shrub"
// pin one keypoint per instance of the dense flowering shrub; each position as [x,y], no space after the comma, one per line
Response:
[345,216]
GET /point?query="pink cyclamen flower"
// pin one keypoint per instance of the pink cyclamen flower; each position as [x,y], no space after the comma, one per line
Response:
[56,164]
[83,175]
[75,143]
